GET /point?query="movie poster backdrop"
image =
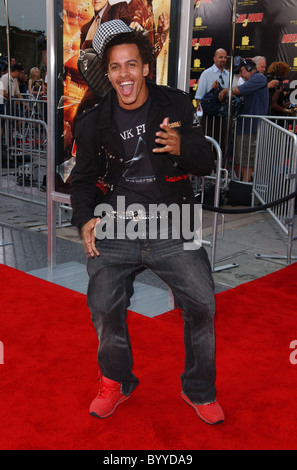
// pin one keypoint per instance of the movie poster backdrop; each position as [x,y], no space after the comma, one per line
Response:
[71,15]
[263,28]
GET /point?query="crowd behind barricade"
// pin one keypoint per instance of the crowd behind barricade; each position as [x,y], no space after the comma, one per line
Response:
[23,131]
[24,86]
[257,90]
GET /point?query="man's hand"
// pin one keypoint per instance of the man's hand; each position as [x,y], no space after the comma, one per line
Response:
[215,85]
[88,238]
[198,109]
[273,84]
[168,137]
[223,94]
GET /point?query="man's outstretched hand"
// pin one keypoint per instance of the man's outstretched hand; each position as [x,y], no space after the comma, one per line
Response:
[169,138]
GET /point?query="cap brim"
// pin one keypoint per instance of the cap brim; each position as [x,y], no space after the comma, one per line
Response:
[88,65]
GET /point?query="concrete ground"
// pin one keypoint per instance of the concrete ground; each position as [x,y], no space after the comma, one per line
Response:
[23,230]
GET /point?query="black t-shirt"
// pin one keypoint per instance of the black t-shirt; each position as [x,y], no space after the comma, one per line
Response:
[138,182]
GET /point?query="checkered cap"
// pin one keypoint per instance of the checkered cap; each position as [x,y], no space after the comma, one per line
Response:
[106,32]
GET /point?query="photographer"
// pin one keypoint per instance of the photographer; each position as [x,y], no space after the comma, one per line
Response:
[254,90]
[280,95]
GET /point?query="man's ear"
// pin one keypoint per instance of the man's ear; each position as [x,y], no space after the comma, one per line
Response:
[146,70]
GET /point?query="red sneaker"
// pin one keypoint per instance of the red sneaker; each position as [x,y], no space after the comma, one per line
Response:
[108,399]
[210,414]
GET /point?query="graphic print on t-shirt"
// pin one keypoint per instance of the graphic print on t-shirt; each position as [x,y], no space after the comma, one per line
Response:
[138,181]
[138,169]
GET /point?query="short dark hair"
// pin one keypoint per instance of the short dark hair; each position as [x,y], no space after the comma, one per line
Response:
[139,38]
[17,67]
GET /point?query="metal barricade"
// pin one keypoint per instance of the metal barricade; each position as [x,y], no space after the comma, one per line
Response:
[23,158]
[287,122]
[243,147]
[275,175]
[215,127]
[29,107]
[219,181]
[266,160]
[240,144]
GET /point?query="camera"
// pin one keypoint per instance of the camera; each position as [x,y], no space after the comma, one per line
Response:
[283,84]
[279,71]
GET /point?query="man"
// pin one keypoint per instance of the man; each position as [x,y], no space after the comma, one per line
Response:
[103,12]
[261,66]
[139,144]
[256,102]
[261,63]
[15,74]
[214,76]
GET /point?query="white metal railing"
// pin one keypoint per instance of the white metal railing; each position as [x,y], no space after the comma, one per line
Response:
[29,107]
[275,174]
[23,155]
[218,179]
[265,160]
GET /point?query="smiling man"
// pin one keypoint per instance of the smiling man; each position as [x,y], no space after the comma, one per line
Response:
[126,73]
[139,143]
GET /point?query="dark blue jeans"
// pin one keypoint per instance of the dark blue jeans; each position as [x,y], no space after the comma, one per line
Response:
[188,274]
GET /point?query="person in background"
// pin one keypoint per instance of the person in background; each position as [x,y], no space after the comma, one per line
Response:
[103,12]
[23,83]
[35,83]
[280,104]
[16,71]
[256,103]
[17,107]
[213,77]
[261,65]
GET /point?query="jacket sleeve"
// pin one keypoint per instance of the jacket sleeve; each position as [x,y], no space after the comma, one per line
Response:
[84,193]
[196,157]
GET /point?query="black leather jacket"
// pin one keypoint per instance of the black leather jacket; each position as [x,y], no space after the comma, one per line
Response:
[100,155]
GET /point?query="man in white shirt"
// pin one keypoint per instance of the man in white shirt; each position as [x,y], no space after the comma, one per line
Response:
[16,71]
[214,76]
[5,89]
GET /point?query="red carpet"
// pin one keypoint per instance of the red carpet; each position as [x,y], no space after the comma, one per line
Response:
[48,378]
